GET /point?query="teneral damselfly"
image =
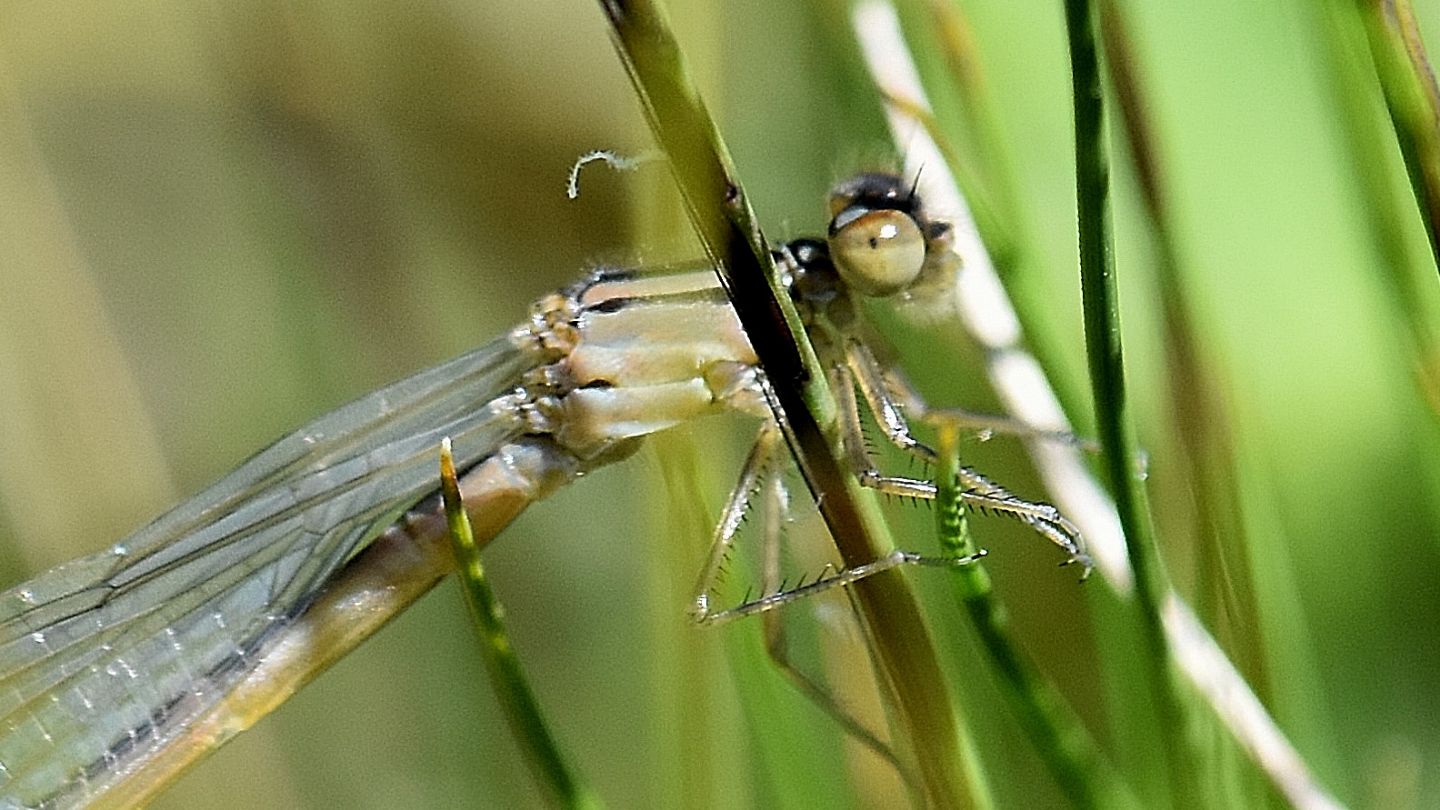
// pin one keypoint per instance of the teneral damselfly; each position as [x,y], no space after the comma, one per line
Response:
[102,594]
[107,662]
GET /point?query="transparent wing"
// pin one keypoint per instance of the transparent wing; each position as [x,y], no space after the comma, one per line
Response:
[105,658]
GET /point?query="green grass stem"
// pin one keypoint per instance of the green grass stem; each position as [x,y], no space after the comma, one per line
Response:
[1412,99]
[1352,82]
[922,714]
[1059,737]
[1101,315]
[522,710]
[1226,596]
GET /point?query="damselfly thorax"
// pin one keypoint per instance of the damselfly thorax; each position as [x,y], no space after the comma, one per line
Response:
[107,661]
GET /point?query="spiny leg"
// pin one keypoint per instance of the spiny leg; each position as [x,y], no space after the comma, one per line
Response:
[838,579]
[759,464]
[861,371]
[776,643]
[762,456]
[759,474]
[878,382]
[891,397]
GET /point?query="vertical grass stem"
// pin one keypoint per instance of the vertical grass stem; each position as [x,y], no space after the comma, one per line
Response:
[517,699]
[1061,740]
[1101,315]
[922,714]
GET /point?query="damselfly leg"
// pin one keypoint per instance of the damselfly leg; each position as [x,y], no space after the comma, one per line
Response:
[760,473]
[775,504]
[880,245]
[862,371]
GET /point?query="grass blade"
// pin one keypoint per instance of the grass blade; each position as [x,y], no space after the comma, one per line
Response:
[1413,100]
[921,708]
[1101,307]
[517,699]
[1059,737]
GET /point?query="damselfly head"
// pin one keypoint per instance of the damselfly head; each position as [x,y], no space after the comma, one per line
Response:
[882,242]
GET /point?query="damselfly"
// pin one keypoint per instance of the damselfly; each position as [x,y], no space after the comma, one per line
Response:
[123,737]
[107,662]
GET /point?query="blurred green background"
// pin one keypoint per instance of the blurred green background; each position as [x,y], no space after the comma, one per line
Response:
[220,219]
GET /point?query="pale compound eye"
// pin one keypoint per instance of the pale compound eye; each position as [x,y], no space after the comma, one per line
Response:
[878,252]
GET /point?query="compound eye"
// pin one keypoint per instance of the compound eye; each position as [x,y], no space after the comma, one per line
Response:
[878,252]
